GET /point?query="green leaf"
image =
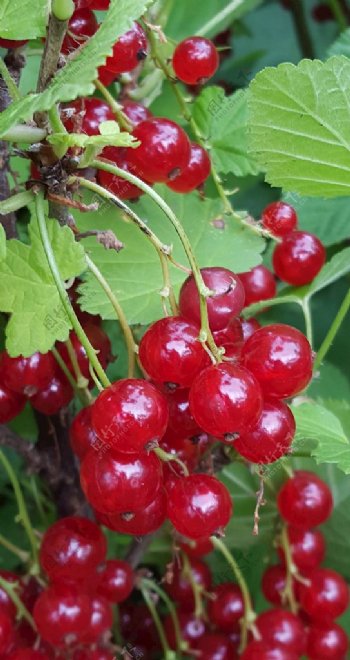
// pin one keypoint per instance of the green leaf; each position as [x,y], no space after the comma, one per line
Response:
[213,17]
[342,45]
[16,202]
[3,246]
[138,286]
[28,291]
[327,218]
[23,19]
[302,139]
[222,121]
[76,78]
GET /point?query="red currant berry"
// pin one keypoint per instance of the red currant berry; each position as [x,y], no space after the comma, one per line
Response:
[195,173]
[278,627]
[227,299]
[322,13]
[305,500]
[260,650]
[225,400]
[279,218]
[227,607]
[171,353]
[307,547]
[272,435]
[249,326]
[184,449]
[116,580]
[128,51]
[280,358]
[81,433]
[230,337]
[93,654]
[116,184]
[273,584]
[195,60]
[117,483]
[82,4]
[101,620]
[11,43]
[81,27]
[139,523]
[198,548]
[62,614]
[326,596]
[6,603]
[28,654]
[215,646]
[6,632]
[180,587]
[99,5]
[138,627]
[11,404]
[199,505]
[163,153]
[327,642]
[85,115]
[56,396]
[99,340]
[105,76]
[28,375]
[136,112]
[191,627]
[298,258]
[259,284]
[181,423]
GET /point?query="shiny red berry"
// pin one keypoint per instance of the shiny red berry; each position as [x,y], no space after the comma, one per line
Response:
[128,51]
[231,336]
[298,258]
[195,60]
[180,585]
[214,646]
[163,153]
[99,340]
[226,606]
[11,404]
[279,218]
[101,620]
[304,500]
[195,173]
[85,115]
[57,395]
[280,358]
[11,43]
[116,580]
[181,423]
[93,654]
[116,184]
[62,614]
[199,505]
[81,433]
[198,548]
[327,642]
[279,627]
[114,482]
[136,112]
[192,629]
[6,603]
[81,27]
[28,375]
[249,326]
[99,5]
[326,596]
[259,284]
[307,546]
[260,650]
[225,400]
[227,299]
[6,632]
[27,654]
[273,584]
[141,522]
[322,13]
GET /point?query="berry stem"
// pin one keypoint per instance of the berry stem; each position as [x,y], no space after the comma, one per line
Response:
[25,134]
[337,321]
[82,392]
[11,547]
[10,589]
[196,588]
[308,320]
[10,83]
[338,14]
[153,586]
[167,458]
[249,614]
[168,654]
[90,351]
[120,116]
[290,571]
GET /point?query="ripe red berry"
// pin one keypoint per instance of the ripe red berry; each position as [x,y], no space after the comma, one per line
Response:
[230,337]
[62,614]
[179,586]
[99,5]
[11,43]
[260,650]
[71,548]
[273,584]
[163,153]
[195,173]
[28,375]
[181,423]
[116,580]
[305,500]
[99,340]
[6,603]
[170,351]
[249,326]
[56,396]
[225,400]
[11,404]
[326,596]
[128,51]
[259,284]
[101,620]
[85,115]
[192,629]
[227,300]
[197,548]
[136,112]
[117,483]
[105,76]
[322,13]
[271,436]
[141,522]
[278,627]
[81,433]
[327,642]
[280,358]
[129,415]
[307,546]
[81,27]
[199,505]
[6,632]
[215,646]
[116,184]
[27,654]
[226,607]
[195,60]
[279,218]
[93,654]
[298,258]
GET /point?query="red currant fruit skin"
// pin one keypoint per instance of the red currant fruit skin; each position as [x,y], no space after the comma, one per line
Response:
[170,351]
[105,76]
[199,505]
[116,184]
[180,588]
[272,435]
[28,375]
[144,521]
[227,607]
[231,337]
[322,13]
[28,654]
[163,153]
[93,654]
[101,620]
[62,614]
[279,218]
[259,284]
[214,646]
[195,60]
[116,580]
[304,500]
[249,326]
[81,27]
[225,400]
[279,627]
[85,115]
[307,546]
[11,43]
[227,301]
[260,650]
[11,404]
[326,596]
[181,423]
[6,632]
[280,358]
[71,548]
[6,603]
[114,482]
[298,258]
[273,584]
[198,548]
[327,642]
[56,396]
[128,51]
[129,414]
[192,629]
[99,5]
[99,340]
[136,112]
[195,173]
[81,433]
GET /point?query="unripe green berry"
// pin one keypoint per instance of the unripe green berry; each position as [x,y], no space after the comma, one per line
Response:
[63,9]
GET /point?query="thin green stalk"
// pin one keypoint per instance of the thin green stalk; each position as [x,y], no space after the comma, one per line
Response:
[337,321]
[90,351]
[24,134]
[120,116]
[10,588]
[10,83]
[290,571]
[157,622]
[339,14]
[166,457]
[308,320]
[82,392]
[82,382]
[21,554]
[22,509]
[153,586]
[197,590]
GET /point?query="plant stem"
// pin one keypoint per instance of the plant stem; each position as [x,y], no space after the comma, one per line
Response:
[339,14]
[337,321]
[169,458]
[157,622]
[128,335]
[24,134]
[22,509]
[10,588]
[290,571]
[196,588]
[49,62]
[90,351]
[301,29]
[308,320]
[153,586]
[120,116]
[249,614]
[10,83]
[21,554]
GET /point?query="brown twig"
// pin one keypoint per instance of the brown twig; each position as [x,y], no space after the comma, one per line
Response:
[24,448]
[259,502]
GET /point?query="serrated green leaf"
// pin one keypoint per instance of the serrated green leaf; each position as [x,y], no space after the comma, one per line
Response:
[76,78]
[327,218]
[302,139]
[222,121]
[82,140]
[135,275]
[342,45]
[213,17]
[332,271]
[3,246]
[23,19]
[28,291]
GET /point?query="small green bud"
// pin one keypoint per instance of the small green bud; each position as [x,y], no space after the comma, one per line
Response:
[63,9]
